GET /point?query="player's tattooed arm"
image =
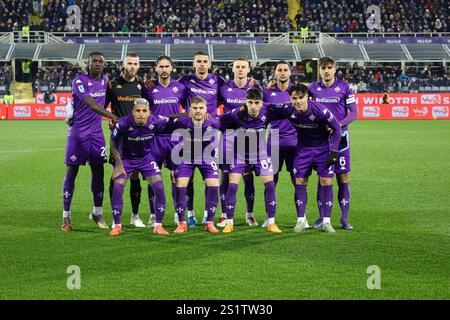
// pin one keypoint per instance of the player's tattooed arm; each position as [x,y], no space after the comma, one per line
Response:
[99,109]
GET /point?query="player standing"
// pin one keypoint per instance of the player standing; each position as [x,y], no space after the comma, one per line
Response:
[122,92]
[204,84]
[131,147]
[250,122]
[85,140]
[339,98]
[233,95]
[316,147]
[165,98]
[198,146]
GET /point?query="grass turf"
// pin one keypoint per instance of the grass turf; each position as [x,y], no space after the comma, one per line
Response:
[399,208]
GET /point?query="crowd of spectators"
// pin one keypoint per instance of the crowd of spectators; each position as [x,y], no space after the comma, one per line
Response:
[396,15]
[382,78]
[370,78]
[152,16]
[5,77]
[189,16]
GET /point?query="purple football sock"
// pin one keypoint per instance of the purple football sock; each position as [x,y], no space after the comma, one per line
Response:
[97,184]
[327,200]
[223,190]
[190,195]
[117,202]
[174,196]
[319,201]
[270,199]
[211,201]
[344,200]
[160,200]
[181,203]
[151,199]
[249,191]
[68,189]
[231,200]
[301,200]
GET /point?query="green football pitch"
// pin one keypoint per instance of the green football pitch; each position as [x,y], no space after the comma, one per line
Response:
[400,209]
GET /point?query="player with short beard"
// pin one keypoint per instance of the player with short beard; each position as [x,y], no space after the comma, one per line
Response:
[198,146]
[204,84]
[122,92]
[131,147]
[165,99]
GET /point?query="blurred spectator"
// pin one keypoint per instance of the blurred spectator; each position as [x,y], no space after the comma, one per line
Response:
[147,16]
[375,78]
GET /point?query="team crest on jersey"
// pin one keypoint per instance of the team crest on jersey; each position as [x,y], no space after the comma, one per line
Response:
[130,129]
[155,90]
[139,86]
[273,94]
[78,81]
[211,82]
[294,171]
[229,89]
[73,158]
[263,118]
[312,117]
[337,89]
[119,86]
[89,84]
[319,89]
[175,89]
[151,126]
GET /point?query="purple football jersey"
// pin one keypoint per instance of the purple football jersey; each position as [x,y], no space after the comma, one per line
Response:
[312,126]
[287,133]
[232,96]
[208,89]
[165,101]
[85,120]
[247,129]
[136,140]
[338,98]
[195,141]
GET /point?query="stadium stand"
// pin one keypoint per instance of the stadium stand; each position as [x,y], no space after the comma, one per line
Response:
[371,65]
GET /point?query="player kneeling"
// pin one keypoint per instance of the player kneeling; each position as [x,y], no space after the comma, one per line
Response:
[133,134]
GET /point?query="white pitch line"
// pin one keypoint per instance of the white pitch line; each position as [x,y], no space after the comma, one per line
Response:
[23,151]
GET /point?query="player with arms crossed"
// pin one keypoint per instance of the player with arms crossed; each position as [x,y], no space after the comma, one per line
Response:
[338,97]
[122,92]
[233,95]
[198,146]
[316,147]
[250,122]
[131,148]
[85,140]
[165,98]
